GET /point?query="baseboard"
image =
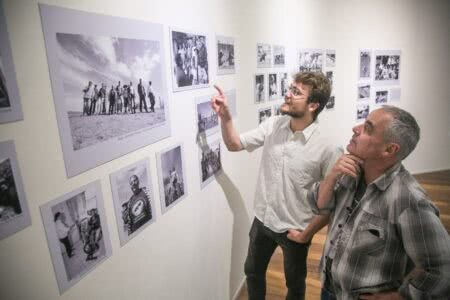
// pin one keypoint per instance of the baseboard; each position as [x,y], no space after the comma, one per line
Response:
[238,291]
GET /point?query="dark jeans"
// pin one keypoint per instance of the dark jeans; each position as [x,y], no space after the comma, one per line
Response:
[326,295]
[263,242]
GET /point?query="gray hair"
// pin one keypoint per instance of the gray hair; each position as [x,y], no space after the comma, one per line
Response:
[402,130]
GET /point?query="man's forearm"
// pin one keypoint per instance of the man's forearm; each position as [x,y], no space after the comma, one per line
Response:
[325,193]
[317,223]
[229,133]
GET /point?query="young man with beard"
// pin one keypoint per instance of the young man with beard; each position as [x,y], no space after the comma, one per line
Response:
[295,155]
[138,210]
[385,239]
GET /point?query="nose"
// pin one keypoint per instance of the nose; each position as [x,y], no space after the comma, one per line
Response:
[357,129]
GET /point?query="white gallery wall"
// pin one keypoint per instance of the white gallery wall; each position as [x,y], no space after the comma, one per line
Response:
[197,249]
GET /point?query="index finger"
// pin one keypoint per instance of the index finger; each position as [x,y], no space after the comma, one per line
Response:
[219,90]
[355,158]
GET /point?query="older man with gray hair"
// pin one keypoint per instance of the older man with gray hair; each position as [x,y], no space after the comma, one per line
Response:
[385,239]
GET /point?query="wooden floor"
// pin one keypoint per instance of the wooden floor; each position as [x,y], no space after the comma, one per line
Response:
[437,185]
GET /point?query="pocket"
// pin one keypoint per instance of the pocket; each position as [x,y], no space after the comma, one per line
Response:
[370,237]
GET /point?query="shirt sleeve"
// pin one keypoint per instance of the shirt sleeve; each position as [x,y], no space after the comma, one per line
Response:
[311,197]
[253,139]
[427,244]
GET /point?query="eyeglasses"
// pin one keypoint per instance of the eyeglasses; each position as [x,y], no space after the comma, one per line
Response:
[294,91]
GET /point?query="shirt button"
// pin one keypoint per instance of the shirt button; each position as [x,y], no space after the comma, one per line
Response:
[340,225]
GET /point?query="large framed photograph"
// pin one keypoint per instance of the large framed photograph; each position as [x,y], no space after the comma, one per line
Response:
[330,58]
[263,55]
[260,88]
[310,60]
[10,106]
[206,118]
[209,161]
[232,104]
[172,176]
[264,113]
[273,86]
[14,213]
[279,56]
[108,81]
[133,199]
[77,233]
[190,67]
[365,63]
[225,55]
[387,67]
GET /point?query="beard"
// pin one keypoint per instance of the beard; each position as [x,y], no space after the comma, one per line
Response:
[292,114]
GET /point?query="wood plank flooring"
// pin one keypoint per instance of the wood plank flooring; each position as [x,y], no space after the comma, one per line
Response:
[437,185]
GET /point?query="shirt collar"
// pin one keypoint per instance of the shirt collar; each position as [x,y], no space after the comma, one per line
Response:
[307,132]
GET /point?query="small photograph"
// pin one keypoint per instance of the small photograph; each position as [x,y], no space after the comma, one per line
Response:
[77,233]
[14,214]
[225,55]
[330,75]
[264,114]
[210,163]
[279,56]
[310,60]
[172,183]
[364,64]
[284,84]
[263,55]
[232,105]
[273,86]
[381,97]
[330,61]
[260,89]
[394,94]
[364,91]
[10,106]
[207,119]
[362,111]
[387,67]
[133,199]
[330,103]
[277,110]
[189,60]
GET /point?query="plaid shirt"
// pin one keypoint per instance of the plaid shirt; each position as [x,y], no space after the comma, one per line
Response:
[391,240]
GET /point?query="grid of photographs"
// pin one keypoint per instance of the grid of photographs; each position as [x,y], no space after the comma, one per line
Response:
[379,80]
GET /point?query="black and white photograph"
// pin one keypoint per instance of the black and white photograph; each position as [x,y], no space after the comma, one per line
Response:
[330,103]
[225,55]
[190,65]
[260,88]
[109,91]
[172,177]
[330,59]
[365,57]
[209,160]
[363,91]
[284,84]
[387,67]
[362,111]
[273,86]
[77,233]
[263,55]
[133,199]
[394,94]
[277,110]
[10,105]
[310,60]
[14,213]
[279,56]
[330,77]
[264,114]
[381,97]
[207,120]
[232,104]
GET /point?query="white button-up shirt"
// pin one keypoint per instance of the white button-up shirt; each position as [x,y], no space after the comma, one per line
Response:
[291,162]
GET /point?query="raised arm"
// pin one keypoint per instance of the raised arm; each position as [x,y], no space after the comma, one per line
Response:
[230,136]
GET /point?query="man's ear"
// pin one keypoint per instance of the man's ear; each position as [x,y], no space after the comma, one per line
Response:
[313,106]
[392,149]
